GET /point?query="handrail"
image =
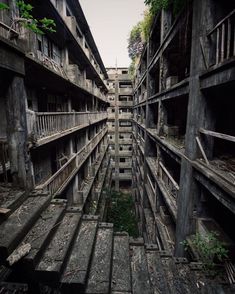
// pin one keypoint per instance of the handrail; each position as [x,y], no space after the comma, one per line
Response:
[219,23]
[86,148]
[169,176]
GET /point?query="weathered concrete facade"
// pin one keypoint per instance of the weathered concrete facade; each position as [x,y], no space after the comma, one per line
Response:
[120,126]
[53,106]
[184,127]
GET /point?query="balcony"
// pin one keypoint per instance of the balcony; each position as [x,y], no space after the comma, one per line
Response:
[125,116]
[57,182]
[47,126]
[125,91]
[125,129]
[221,39]
[125,103]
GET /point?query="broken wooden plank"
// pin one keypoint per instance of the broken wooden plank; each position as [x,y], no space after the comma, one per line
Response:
[217,135]
[39,236]
[4,210]
[54,257]
[13,229]
[76,272]
[99,275]
[202,150]
[121,273]
[18,253]
[140,274]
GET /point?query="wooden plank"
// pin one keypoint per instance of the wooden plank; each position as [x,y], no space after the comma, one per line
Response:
[217,135]
[229,33]
[99,276]
[54,257]
[121,275]
[222,42]
[156,273]
[4,210]
[140,275]
[217,45]
[202,150]
[38,237]
[76,272]
[13,229]
[169,176]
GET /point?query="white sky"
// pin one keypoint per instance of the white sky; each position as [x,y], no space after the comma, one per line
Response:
[110,22]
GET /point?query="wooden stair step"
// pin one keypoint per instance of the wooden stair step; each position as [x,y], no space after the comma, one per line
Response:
[99,275]
[184,276]
[39,236]
[121,272]
[76,272]
[13,229]
[139,269]
[174,282]
[53,260]
[10,200]
[155,269]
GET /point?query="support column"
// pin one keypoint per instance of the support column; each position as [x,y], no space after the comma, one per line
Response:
[17,133]
[196,118]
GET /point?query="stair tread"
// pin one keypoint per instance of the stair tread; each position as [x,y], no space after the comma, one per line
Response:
[11,198]
[37,236]
[99,275]
[121,275]
[156,273]
[13,229]
[140,275]
[74,276]
[50,265]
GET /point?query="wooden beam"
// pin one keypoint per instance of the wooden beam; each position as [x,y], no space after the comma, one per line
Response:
[169,176]
[202,150]
[4,210]
[217,135]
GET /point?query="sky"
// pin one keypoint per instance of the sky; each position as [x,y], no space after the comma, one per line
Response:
[110,22]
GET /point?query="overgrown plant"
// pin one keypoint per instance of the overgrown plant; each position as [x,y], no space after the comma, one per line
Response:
[210,250]
[26,19]
[121,213]
[157,5]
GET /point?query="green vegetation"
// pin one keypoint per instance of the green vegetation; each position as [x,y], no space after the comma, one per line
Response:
[3,6]
[209,249]
[138,37]
[122,214]
[26,19]
[156,5]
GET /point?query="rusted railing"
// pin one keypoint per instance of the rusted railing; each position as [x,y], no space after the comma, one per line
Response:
[222,39]
[44,124]
[168,181]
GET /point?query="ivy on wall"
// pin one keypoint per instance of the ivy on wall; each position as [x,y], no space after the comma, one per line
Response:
[26,19]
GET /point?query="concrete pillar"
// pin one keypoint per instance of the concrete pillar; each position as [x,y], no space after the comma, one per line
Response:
[196,118]
[116,134]
[17,133]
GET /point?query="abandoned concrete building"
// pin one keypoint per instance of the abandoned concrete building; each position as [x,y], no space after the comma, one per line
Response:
[72,130]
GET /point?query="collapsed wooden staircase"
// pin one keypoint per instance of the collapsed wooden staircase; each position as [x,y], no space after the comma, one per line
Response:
[75,253]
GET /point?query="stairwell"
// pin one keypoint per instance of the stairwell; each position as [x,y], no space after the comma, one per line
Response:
[76,253]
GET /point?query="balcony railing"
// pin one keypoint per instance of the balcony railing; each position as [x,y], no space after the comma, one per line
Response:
[45,124]
[222,39]
[57,181]
[168,181]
